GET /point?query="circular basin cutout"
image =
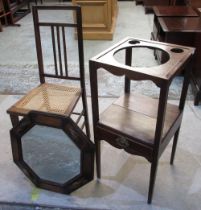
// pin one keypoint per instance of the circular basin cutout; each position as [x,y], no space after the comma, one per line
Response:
[177,50]
[143,56]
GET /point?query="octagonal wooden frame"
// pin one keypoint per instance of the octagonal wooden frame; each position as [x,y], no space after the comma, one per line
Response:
[73,131]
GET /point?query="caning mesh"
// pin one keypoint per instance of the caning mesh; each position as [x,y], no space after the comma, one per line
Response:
[50,98]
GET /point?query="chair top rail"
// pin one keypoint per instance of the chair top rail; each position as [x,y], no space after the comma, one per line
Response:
[61,7]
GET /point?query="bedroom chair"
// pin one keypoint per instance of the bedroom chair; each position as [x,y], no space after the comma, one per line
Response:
[51,97]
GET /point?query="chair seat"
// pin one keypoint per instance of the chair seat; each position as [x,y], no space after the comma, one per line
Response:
[51,98]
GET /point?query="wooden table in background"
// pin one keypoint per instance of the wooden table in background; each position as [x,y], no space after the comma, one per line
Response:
[183,31]
[169,12]
[174,11]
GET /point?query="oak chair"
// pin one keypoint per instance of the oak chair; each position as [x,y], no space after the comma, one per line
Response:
[52,97]
[139,124]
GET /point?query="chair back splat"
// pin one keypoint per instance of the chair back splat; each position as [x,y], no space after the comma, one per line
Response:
[58,39]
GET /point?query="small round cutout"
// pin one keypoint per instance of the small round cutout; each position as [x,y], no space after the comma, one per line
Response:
[134,41]
[177,50]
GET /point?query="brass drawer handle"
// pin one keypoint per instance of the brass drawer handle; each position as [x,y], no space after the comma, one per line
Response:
[122,142]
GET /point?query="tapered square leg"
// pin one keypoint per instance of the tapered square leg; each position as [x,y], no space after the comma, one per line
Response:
[174,146]
[154,166]
[98,158]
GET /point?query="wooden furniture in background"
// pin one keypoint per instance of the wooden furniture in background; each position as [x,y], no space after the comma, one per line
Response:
[99,18]
[149,4]
[194,3]
[139,2]
[17,8]
[2,14]
[171,12]
[184,31]
[140,125]
[174,11]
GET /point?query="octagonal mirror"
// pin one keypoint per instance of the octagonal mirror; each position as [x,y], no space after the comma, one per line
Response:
[53,152]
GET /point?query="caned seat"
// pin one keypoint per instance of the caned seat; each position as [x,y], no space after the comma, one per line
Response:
[52,97]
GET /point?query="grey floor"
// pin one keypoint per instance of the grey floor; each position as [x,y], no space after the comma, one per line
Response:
[18,61]
[124,183]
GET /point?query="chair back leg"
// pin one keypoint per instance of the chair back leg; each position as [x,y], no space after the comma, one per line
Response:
[86,116]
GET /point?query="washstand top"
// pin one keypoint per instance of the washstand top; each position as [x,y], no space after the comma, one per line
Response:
[176,57]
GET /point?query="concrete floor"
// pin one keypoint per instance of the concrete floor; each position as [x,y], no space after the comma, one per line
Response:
[18,62]
[124,183]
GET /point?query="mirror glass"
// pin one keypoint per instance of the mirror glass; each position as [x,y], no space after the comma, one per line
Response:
[51,154]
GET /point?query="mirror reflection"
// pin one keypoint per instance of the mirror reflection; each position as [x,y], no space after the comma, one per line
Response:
[51,154]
